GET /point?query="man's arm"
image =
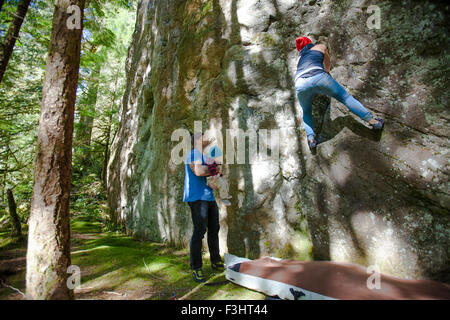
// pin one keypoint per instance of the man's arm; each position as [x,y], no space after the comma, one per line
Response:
[326,59]
[199,170]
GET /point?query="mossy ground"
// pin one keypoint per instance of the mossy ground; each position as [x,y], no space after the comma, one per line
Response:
[114,266]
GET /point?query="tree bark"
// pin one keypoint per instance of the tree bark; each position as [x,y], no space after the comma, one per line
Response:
[48,254]
[12,35]
[15,221]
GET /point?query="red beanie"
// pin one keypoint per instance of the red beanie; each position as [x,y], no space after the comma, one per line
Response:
[301,42]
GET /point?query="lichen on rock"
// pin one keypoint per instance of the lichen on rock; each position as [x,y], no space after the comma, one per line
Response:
[366,198]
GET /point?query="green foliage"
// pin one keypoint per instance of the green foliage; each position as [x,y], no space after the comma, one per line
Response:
[102,79]
[20,102]
[88,200]
[108,26]
[107,34]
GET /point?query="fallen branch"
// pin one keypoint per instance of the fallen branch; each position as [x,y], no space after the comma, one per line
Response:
[112,292]
[152,276]
[201,285]
[4,284]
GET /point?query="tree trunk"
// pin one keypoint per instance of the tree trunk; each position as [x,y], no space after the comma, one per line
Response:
[12,35]
[106,153]
[6,169]
[48,255]
[108,135]
[15,221]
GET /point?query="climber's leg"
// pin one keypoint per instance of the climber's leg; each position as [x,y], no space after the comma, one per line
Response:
[305,99]
[330,87]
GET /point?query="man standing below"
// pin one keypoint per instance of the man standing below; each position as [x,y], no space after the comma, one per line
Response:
[204,210]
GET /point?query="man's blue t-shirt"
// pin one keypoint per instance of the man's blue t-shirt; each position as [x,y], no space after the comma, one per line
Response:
[195,188]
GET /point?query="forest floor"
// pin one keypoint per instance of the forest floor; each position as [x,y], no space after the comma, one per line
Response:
[117,267]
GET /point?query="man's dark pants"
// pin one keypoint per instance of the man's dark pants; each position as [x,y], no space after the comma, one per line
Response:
[205,216]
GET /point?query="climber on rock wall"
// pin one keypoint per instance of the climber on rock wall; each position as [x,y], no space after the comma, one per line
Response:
[204,210]
[312,77]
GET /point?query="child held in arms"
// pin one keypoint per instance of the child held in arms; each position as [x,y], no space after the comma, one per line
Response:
[214,161]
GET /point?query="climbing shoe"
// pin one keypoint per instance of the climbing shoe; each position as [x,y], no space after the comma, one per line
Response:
[198,275]
[226,202]
[312,142]
[379,125]
[218,266]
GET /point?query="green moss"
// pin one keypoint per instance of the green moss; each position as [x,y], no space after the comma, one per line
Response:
[206,8]
[298,207]
[191,17]
[266,39]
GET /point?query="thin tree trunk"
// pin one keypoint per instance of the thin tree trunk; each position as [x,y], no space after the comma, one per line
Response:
[106,153]
[15,221]
[86,124]
[6,170]
[108,135]
[48,254]
[84,133]
[12,35]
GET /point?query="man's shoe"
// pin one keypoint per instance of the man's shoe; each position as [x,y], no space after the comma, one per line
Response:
[198,275]
[226,202]
[312,142]
[379,125]
[218,266]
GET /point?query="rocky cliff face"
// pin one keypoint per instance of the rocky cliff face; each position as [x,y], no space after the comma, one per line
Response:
[372,199]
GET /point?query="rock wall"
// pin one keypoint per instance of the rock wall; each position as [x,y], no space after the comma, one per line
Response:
[363,197]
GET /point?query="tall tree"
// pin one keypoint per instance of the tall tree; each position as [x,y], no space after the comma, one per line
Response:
[21,100]
[12,35]
[107,134]
[15,220]
[48,255]
[83,132]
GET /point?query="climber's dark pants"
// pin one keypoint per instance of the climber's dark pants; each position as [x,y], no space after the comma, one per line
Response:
[205,216]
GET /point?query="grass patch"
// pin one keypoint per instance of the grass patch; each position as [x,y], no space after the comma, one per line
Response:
[85,226]
[8,243]
[115,266]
